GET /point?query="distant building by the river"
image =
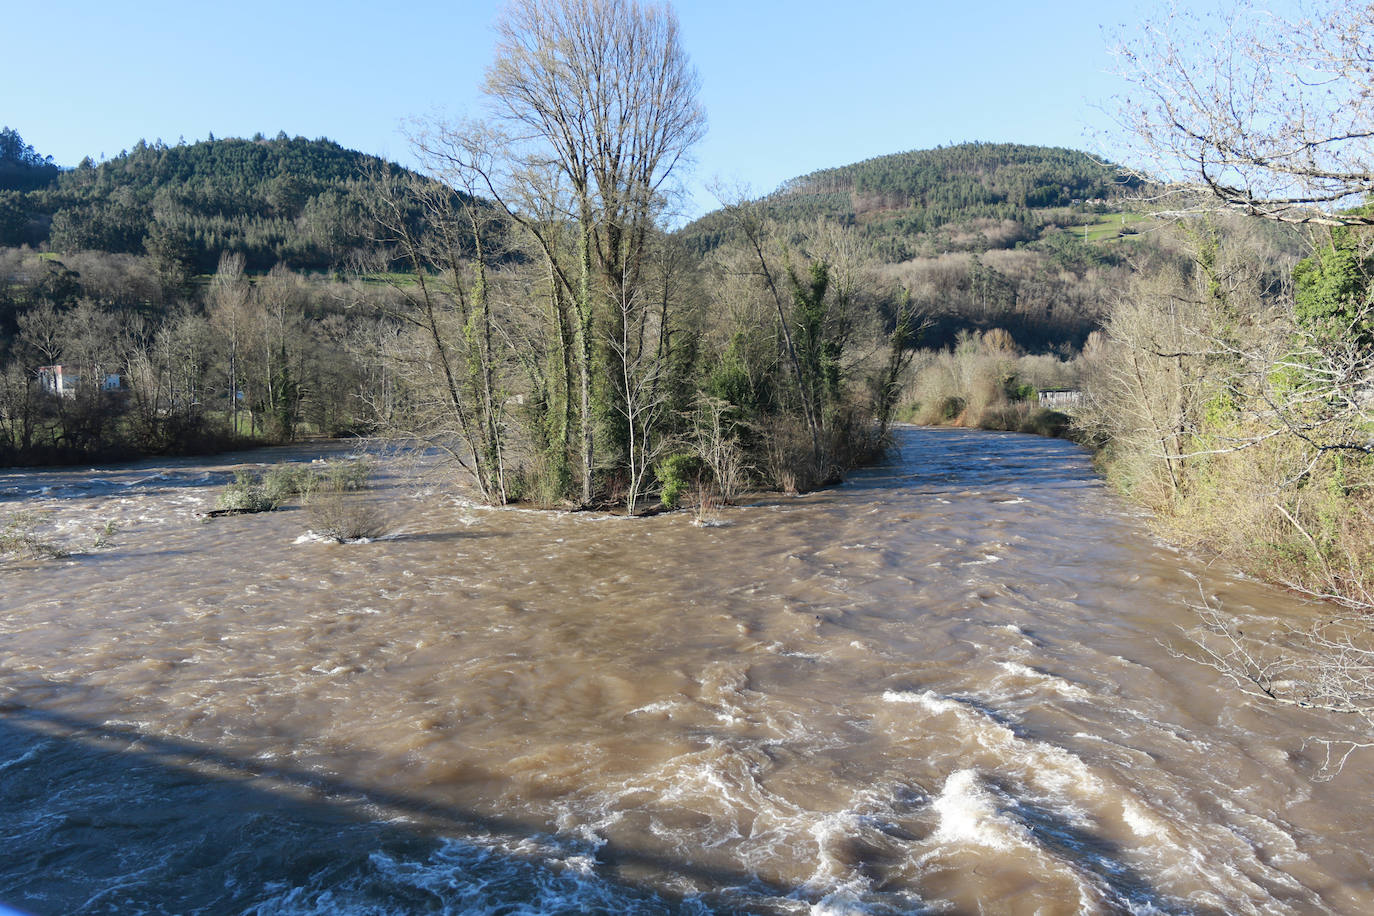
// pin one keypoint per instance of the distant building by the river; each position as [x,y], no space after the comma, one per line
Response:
[62,380]
[1060,398]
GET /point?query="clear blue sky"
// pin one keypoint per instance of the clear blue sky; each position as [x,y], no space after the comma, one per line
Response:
[789,87]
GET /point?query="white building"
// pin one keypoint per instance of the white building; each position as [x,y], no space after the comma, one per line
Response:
[64,381]
[1060,398]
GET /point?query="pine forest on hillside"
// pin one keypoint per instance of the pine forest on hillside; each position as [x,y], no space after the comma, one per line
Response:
[293,202]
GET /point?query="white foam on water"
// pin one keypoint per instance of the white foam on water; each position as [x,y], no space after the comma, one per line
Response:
[28,755]
[720,801]
[482,874]
[830,832]
[310,537]
[664,707]
[1041,679]
[1142,821]
[1265,836]
[1238,856]
[847,900]
[968,815]
[1049,768]
[132,878]
[975,820]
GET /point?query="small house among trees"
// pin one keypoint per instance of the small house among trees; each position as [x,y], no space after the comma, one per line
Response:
[63,381]
[1060,398]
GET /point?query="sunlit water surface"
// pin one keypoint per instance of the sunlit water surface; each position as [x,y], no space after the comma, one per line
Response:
[943,686]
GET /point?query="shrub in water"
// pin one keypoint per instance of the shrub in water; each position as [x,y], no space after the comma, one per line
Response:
[344,476]
[246,494]
[283,481]
[1045,422]
[19,535]
[344,518]
[253,493]
[677,474]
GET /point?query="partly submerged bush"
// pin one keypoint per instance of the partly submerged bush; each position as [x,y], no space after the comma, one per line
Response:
[706,512]
[282,481]
[246,494]
[251,492]
[341,517]
[344,476]
[1046,422]
[677,475]
[333,512]
[19,536]
[103,532]
[545,482]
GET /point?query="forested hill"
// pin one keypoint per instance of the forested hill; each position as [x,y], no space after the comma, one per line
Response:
[282,200]
[1026,239]
[1008,192]
[972,179]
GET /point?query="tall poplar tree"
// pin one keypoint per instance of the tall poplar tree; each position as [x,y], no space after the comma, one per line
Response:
[603,91]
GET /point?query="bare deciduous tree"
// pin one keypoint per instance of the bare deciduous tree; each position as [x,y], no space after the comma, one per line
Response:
[1328,667]
[602,91]
[227,302]
[715,434]
[641,396]
[448,351]
[1268,115]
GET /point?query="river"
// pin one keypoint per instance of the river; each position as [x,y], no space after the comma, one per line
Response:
[944,686]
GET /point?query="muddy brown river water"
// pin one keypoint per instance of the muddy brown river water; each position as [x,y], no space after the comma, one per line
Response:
[945,686]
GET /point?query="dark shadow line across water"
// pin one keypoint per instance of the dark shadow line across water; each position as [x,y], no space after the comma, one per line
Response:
[113,798]
[110,794]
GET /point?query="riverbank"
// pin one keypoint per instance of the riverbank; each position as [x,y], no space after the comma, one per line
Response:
[122,450]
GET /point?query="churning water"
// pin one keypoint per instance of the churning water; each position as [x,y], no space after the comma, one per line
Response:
[945,686]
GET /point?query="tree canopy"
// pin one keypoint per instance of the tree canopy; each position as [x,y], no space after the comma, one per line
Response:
[22,168]
[285,200]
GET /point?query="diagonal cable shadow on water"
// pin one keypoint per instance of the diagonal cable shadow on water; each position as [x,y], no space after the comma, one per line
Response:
[124,821]
[109,818]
